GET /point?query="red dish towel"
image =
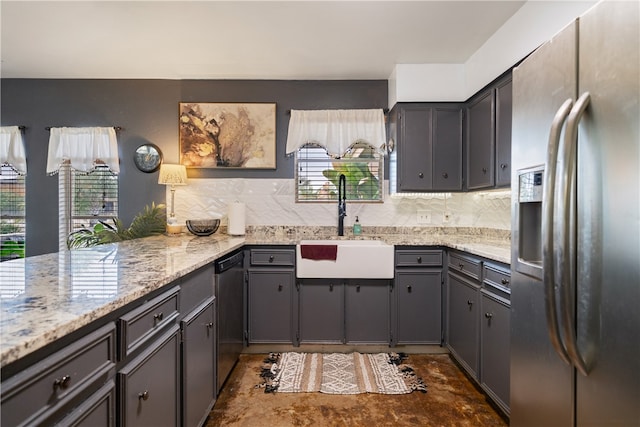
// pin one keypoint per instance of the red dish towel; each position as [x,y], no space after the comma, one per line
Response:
[319,252]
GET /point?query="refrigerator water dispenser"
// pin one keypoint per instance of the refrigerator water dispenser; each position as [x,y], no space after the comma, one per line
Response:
[529,256]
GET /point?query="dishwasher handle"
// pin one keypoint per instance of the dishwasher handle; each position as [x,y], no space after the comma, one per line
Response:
[229,261]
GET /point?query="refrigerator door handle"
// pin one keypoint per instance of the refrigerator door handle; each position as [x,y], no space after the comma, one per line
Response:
[566,242]
[548,255]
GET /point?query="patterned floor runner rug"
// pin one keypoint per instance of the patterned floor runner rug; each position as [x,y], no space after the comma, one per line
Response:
[339,373]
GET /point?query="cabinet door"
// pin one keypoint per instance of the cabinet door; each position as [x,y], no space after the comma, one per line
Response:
[271,305]
[149,385]
[321,311]
[480,142]
[418,306]
[503,133]
[494,348]
[198,364]
[415,149]
[463,323]
[367,311]
[447,149]
[96,411]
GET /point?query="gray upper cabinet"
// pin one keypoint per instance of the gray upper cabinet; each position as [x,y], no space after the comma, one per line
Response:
[503,132]
[429,146]
[415,147]
[480,141]
[447,149]
[488,136]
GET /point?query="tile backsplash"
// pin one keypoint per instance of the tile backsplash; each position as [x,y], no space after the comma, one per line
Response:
[272,202]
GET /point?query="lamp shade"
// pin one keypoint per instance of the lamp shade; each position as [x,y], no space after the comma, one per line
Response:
[172,174]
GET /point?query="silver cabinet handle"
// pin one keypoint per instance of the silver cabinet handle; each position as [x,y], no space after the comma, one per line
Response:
[409,288]
[566,242]
[488,315]
[420,175]
[62,383]
[158,317]
[144,395]
[548,199]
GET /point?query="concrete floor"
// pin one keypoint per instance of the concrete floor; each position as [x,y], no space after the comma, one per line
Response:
[451,401]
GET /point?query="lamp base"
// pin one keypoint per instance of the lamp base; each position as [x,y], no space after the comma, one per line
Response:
[174,229]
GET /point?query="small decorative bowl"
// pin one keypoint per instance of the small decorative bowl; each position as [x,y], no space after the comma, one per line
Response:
[203,227]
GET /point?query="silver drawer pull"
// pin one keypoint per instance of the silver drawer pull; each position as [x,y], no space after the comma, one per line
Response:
[419,259]
[488,315]
[469,303]
[144,395]
[62,383]
[461,265]
[158,317]
[270,258]
[505,281]
[409,288]
[209,325]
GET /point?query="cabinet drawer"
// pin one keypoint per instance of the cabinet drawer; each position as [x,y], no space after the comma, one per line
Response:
[279,257]
[32,396]
[143,323]
[465,265]
[418,258]
[497,275]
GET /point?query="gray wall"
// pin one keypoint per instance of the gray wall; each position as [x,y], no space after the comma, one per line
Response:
[147,110]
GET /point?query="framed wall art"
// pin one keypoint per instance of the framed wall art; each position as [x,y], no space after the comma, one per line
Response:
[231,135]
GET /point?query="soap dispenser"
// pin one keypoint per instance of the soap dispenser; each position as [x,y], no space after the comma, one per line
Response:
[357,228]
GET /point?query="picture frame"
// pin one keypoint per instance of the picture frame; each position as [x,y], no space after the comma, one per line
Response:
[227,135]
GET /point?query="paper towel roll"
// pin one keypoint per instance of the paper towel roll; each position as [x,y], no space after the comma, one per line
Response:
[236,215]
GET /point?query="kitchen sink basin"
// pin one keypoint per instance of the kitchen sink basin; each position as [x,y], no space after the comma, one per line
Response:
[355,259]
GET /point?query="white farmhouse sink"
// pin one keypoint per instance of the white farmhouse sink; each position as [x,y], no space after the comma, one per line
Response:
[356,259]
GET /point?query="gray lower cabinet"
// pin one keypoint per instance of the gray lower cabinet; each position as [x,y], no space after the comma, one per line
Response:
[45,392]
[367,311]
[478,322]
[494,349]
[149,385]
[339,311]
[96,411]
[272,303]
[463,331]
[198,364]
[321,304]
[417,298]
[495,315]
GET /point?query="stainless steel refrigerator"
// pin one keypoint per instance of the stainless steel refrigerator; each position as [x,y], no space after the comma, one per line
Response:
[575,301]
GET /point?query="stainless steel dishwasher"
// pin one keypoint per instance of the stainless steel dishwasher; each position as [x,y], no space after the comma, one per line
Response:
[229,292]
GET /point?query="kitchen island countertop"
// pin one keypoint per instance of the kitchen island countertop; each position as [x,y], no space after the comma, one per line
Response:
[46,297]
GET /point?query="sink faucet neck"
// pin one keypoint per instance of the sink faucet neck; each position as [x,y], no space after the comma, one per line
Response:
[342,203]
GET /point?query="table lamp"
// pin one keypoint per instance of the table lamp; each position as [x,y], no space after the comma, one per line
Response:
[172,175]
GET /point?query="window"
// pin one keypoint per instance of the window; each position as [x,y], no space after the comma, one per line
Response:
[318,174]
[85,199]
[12,214]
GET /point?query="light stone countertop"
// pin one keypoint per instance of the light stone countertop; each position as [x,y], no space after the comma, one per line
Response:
[46,297]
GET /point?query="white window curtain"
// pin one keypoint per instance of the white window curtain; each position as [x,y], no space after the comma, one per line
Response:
[336,130]
[12,151]
[83,149]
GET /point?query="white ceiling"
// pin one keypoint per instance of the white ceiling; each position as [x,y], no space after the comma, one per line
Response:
[240,39]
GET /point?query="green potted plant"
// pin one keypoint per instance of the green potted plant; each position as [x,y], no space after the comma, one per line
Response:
[151,221]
